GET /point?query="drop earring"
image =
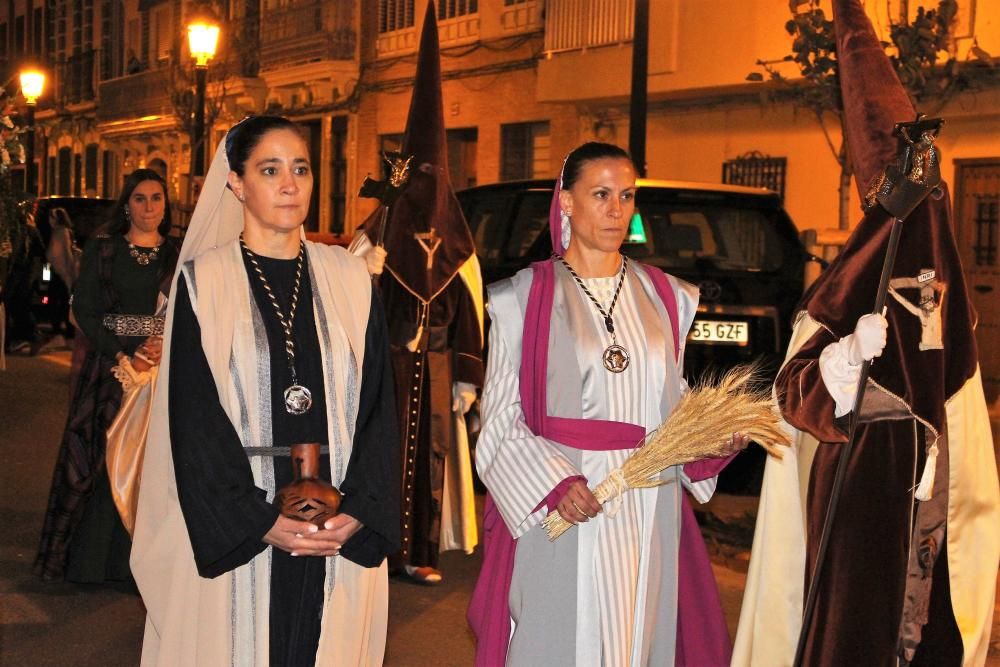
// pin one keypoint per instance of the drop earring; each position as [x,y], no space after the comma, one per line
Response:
[564,229]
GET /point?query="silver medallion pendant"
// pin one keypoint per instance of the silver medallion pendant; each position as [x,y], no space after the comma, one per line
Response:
[616,358]
[298,400]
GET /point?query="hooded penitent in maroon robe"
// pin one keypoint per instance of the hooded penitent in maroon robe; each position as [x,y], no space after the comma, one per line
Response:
[432,295]
[913,553]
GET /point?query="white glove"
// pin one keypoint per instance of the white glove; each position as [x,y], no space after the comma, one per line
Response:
[463,396]
[868,339]
[373,254]
[375,258]
[840,363]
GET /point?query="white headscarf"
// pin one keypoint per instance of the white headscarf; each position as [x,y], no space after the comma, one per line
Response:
[218,215]
[559,222]
[165,577]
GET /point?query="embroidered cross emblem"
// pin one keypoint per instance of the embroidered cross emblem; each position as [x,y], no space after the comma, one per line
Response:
[927,308]
[430,242]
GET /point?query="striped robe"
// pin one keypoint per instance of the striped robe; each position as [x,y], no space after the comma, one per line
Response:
[606,592]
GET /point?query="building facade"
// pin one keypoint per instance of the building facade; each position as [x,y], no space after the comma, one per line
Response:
[523,82]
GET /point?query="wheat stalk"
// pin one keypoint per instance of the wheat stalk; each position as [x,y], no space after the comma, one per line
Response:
[700,427]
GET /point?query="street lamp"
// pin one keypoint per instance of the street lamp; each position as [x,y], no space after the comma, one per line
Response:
[203,36]
[32,85]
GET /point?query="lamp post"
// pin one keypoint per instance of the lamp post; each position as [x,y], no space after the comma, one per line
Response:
[203,36]
[32,85]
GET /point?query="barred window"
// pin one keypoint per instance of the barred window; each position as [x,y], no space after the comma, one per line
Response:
[395,15]
[449,9]
[987,226]
[756,170]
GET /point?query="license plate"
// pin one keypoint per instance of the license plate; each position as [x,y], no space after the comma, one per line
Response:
[720,332]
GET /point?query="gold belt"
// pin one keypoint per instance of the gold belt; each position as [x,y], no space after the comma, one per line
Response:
[134,325]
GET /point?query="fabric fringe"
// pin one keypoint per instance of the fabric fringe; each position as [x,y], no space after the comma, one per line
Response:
[925,489]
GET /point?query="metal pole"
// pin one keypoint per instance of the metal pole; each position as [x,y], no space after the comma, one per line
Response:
[640,71]
[30,173]
[845,453]
[198,138]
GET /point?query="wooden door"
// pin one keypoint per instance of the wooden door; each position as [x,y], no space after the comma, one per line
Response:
[977,221]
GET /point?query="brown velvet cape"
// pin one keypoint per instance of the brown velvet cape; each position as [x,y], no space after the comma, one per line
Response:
[903,414]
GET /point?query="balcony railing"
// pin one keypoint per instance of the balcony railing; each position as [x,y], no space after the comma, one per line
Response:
[581,24]
[135,96]
[307,31]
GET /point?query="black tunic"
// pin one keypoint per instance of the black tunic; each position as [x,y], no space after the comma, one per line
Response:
[226,514]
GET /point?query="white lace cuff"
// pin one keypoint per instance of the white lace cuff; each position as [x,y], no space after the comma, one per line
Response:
[126,374]
[840,376]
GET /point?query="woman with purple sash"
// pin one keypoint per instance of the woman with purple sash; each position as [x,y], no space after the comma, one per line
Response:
[585,357]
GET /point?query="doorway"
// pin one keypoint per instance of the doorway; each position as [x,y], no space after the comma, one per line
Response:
[977,228]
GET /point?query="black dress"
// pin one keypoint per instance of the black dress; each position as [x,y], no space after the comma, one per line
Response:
[226,514]
[83,537]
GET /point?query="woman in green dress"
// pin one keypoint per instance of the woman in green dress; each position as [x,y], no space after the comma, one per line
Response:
[118,303]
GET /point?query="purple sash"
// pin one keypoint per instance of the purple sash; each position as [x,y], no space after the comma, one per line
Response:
[489,612]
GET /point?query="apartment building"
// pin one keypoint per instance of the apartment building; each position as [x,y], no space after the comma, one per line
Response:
[523,82]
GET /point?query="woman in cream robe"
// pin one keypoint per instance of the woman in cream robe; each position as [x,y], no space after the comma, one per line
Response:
[215,593]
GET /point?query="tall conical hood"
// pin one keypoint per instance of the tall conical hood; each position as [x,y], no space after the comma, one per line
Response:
[874,99]
[425,136]
[426,236]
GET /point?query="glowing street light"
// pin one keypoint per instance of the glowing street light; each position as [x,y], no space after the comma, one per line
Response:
[32,85]
[203,38]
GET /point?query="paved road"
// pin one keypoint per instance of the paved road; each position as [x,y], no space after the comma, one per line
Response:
[66,624]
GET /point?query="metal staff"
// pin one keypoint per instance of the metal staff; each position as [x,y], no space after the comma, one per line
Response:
[901,189]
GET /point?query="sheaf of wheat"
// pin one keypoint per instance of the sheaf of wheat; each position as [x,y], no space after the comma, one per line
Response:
[700,427]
